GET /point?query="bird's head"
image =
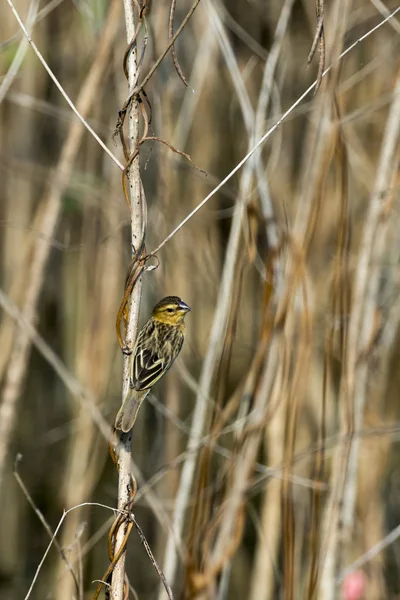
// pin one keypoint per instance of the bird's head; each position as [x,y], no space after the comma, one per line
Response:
[170,310]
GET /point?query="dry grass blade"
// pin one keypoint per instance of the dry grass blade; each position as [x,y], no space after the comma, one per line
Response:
[171,35]
[139,88]
[154,138]
[319,38]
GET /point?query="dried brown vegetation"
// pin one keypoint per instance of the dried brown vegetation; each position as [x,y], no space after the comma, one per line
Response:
[266,461]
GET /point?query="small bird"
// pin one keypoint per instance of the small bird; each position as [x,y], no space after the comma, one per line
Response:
[157,346]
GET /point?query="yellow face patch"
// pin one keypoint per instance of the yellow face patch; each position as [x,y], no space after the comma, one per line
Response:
[170,311]
[171,315]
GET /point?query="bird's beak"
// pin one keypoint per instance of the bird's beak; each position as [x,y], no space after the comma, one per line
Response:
[183,306]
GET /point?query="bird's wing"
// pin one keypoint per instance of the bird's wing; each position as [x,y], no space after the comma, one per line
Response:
[148,367]
[151,361]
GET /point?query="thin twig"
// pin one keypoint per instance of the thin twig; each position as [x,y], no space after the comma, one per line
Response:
[42,14]
[153,69]
[383,9]
[44,522]
[267,135]
[152,559]
[369,554]
[74,108]
[44,556]
[154,138]
[57,529]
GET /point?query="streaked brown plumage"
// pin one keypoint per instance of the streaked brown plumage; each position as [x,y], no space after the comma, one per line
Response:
[157,346]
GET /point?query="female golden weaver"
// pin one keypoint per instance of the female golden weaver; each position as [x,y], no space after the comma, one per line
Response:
[157,346]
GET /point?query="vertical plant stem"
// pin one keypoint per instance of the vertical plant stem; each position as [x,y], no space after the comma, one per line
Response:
[341,507]
[220,316]
[200,412]
[134,186]
[369,275]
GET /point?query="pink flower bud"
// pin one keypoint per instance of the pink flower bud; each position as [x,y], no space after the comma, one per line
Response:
[354,586]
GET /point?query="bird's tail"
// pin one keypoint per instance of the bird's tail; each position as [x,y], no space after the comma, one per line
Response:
[128,412]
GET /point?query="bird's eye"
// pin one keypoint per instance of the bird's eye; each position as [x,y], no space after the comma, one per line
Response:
[170,310]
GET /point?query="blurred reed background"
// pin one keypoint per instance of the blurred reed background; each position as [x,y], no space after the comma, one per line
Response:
[293,268]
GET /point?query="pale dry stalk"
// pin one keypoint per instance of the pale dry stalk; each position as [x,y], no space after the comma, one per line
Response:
[254,124]
[318,149]
[268,391]
[135,193]
[317,155]
[364,305]
[170,276]
[266,557]
[215,348]
[366,299]
[223,304]
[50,214]
[382,403]
[200,411]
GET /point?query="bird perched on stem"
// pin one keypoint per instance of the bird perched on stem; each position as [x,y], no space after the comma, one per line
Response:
[157,346]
